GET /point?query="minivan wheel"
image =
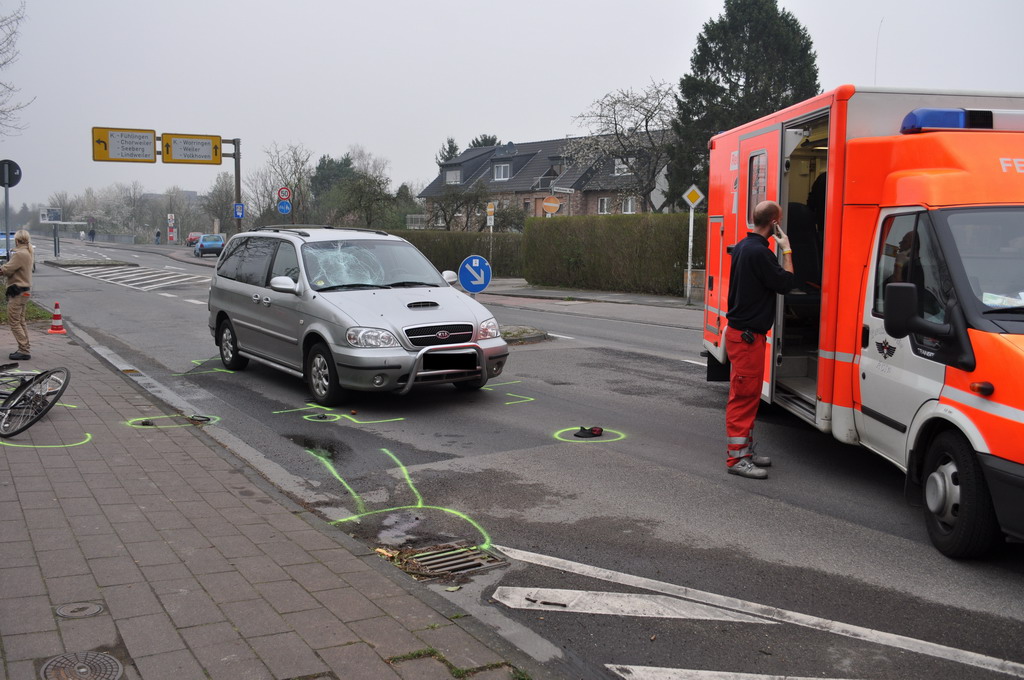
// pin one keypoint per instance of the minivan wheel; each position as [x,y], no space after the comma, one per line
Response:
[322,376]
[958,508]
[229,347]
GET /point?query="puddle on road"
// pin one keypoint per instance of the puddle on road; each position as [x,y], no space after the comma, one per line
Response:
[332,449]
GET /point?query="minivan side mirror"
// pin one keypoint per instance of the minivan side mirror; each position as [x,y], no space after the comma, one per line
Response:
[450,276]
[901,317]
[284,284]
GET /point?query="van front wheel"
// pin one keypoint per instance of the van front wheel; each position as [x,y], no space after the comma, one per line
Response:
[958,508]
[322,376]
[229,347]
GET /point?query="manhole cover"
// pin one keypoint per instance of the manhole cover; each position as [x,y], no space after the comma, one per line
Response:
[442,561]
[79,610]
[82,666]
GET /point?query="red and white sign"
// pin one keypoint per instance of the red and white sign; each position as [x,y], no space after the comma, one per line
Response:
[284,193]
[551,204]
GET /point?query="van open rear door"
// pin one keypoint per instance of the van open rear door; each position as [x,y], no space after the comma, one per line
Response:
[759,181]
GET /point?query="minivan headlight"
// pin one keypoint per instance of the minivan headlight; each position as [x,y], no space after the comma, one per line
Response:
[489,329]
[371,337]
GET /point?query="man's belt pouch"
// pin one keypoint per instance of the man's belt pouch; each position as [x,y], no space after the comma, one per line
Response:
[15,290]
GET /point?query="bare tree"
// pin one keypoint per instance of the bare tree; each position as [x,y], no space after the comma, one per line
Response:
[9,107]
[290,166]
[455,207]
[67,203]
[634,128]
[261,196]
[220,199]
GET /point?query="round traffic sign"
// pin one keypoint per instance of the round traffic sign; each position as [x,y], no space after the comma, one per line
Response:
[474,273]
[551,204]
[284,207]
[284,193]
[10,173]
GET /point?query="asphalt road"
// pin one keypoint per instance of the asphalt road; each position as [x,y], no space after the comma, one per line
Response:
[826,571]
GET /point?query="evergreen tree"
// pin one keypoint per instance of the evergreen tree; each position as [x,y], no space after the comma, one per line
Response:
[449,150]
[752,60]
[484,140]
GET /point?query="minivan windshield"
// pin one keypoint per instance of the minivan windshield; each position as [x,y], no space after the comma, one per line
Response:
[355,264]
[990,244]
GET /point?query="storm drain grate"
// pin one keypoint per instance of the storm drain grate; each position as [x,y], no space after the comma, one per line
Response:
[79,610]
[443,561]
[82,666]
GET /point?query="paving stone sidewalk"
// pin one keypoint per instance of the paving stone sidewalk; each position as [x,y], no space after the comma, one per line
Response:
[202,569]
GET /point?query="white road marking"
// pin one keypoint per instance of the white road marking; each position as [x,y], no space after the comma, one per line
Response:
[654,673]
[167,295]
[782,615]
[196,302]
[696,363]
[616,604]
[564,337]
[180,269]
[138,278]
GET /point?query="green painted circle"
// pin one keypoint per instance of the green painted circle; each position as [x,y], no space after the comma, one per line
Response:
[588,440]
[133,421]
[88,438]
[322,417]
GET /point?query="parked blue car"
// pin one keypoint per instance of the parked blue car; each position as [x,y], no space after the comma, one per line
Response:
[209,244]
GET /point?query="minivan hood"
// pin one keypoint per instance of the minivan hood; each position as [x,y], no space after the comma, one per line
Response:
[398,308]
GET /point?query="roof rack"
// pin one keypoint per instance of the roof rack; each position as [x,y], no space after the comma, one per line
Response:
[301,229]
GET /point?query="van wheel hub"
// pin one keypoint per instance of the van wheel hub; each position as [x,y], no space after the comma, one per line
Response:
[942,493]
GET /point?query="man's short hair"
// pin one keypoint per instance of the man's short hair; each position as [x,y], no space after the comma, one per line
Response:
[765,212]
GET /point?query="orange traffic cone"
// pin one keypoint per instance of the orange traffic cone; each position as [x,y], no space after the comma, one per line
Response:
[57,325]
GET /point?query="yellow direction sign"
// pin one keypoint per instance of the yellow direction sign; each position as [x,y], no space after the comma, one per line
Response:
[204,149]
[121,144]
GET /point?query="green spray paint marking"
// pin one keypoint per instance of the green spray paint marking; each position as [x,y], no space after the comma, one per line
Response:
[593,440]
[363,512]
[132,423]
[521,400]
[88,438]
[333,417]
[200,362]
[491,386]
[323,458]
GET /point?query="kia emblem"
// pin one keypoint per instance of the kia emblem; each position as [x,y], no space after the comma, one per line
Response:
[442,335]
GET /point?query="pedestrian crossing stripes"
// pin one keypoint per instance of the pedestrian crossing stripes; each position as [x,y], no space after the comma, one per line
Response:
[139,278]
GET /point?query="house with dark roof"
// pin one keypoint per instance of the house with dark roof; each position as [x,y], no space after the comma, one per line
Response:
[524,175]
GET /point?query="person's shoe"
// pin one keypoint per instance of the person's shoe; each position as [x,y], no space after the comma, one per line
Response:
[760,461]
[744,468]
[19,356]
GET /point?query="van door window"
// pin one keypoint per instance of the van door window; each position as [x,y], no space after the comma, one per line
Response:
[909,253]
[254,260]
[757,183]
[286,262]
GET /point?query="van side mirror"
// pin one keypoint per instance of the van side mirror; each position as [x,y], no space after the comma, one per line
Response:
[901,316]
[450,276]
[284,284]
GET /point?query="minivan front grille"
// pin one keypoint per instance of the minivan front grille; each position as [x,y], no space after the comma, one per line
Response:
[448,334]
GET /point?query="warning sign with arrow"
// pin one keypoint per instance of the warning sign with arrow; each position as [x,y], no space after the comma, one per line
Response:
[202,149]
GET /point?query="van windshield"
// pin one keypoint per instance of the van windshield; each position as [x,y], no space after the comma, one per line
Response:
[359,264]
[990,244]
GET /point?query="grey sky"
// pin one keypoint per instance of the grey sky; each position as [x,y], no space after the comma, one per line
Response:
[399,76]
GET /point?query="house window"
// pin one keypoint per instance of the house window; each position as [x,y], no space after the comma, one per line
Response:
[629,205]
[602,206]
[453,177]
[527,207]
[622,166]
[501,172]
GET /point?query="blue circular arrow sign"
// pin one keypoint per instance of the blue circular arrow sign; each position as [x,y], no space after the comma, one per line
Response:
[284,207]
[474,273]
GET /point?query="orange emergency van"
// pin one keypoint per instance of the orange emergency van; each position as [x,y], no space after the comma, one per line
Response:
[905,333]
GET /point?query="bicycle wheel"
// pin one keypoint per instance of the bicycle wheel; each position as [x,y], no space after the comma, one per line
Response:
[32,400]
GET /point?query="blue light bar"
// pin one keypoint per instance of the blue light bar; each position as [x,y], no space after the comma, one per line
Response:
[922,119]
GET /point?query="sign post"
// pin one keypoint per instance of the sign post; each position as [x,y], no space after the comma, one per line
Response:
[693,197]
[490,228]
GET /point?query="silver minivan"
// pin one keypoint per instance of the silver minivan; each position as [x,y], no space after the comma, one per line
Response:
[348,309]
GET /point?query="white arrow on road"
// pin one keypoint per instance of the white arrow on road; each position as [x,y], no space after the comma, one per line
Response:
[616,604]
[478,276]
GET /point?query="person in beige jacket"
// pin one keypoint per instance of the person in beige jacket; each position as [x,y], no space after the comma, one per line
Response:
[18,271]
